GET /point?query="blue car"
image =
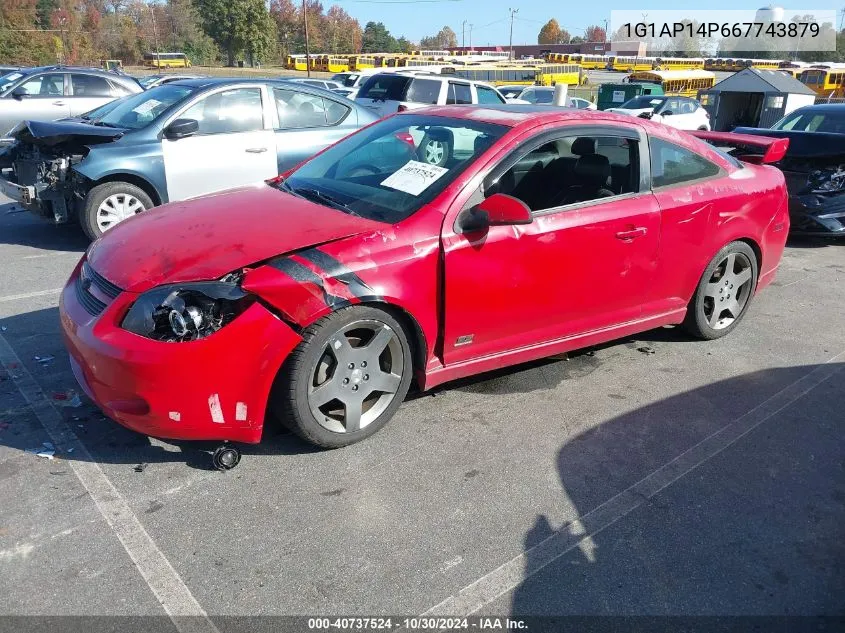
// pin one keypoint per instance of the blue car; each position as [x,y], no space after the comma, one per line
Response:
[180,140]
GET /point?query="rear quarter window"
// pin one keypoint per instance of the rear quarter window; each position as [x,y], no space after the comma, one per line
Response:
[385,87]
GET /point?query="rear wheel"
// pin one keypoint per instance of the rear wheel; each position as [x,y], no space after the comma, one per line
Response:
[435,152]
[724,292]
[346,378]
[109,204]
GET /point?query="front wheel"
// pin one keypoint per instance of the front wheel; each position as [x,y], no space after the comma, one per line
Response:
[724,292]
[109,204]
[346,379]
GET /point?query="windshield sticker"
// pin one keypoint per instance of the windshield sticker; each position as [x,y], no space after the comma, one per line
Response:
[147,106]
[414,177]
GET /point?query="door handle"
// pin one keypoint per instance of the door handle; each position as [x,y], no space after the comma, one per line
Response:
[630,234]
[256,150]
[58,103]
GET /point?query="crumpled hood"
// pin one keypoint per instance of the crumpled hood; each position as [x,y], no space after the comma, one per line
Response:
[51,133]
[208,237]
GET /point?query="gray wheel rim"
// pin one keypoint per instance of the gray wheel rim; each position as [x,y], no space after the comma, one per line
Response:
[356,377]
[728,291]
[115,209]
[434,152]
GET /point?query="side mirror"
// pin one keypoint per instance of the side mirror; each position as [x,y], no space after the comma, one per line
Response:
[646,115]
[497,210]
[666,112]
[181,128]
[20,93]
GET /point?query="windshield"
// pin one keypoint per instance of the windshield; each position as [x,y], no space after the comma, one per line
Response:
[387,171]
[346,79]
[141,109]
[639,103]
[6,81]
[149,79]
[813,120]
[511,91]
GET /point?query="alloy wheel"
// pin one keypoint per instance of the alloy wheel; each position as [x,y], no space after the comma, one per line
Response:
[728,291]
[434,152]
[356,377]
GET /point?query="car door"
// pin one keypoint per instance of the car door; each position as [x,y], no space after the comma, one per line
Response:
[233,147]
[670,113]
[305,123]
[577,267]
[38,97]
[88,92]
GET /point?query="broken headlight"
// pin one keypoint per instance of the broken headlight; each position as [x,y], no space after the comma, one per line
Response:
[826,180]
[179,313]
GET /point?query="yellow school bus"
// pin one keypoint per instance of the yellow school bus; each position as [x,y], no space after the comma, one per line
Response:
[541,74]
[166,60]
[337,63]
[685,83]
[826,80]
[765,64]
[591,61]
[629,64]
[296,62]
[678,63]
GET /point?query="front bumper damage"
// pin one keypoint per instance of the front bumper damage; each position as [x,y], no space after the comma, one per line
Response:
[216,388]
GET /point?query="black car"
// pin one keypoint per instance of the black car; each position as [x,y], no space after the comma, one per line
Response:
[814,167]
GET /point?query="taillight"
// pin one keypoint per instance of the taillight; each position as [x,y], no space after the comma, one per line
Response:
[405,137]
[402,108]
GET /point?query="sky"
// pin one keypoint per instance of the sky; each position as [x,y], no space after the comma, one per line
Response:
[491,19]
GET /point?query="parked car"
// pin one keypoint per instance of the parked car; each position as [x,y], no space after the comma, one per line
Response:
[352,80]
[386,93]
[48,93]
[678,112]
[510,92]
[814,167]
[296,298]
[5,70]
[326,84]
[546,95]
[180,140]
[151,81]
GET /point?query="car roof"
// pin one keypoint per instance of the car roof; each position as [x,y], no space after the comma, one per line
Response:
[824,107]
[516,115]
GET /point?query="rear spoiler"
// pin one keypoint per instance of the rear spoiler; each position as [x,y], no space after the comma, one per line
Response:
[774,149]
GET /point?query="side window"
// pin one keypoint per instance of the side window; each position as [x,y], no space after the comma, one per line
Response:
[545,96]
[687,106]
[572,170]
[299,110]
[459,94]
[488,95]
[90,86]
[45,86]
[117,90]
[672,165]
[236,110]
[671,105]
[423,91]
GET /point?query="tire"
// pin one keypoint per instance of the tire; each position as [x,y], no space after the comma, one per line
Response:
[315,372]
[94,220]
[723,291]
[434,152]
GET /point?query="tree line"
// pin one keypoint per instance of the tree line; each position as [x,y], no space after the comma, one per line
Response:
[209,32]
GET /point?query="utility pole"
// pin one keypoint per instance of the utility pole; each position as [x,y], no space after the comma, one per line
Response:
[307,50]
[470,37]
[513,13]
[604,51]
[463,38]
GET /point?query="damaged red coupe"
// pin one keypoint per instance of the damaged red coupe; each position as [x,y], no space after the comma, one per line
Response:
[428,246]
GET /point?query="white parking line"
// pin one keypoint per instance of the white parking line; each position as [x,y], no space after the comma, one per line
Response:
[579,533]
[165,583]
[28,295]
[52,254]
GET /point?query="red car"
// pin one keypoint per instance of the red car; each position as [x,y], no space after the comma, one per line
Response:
[430,245]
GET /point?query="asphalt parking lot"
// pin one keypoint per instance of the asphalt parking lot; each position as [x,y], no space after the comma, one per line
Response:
[654,476]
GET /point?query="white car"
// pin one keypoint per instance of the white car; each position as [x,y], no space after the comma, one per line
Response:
[678,112]
[546,95]
[386,93]
[325,84]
